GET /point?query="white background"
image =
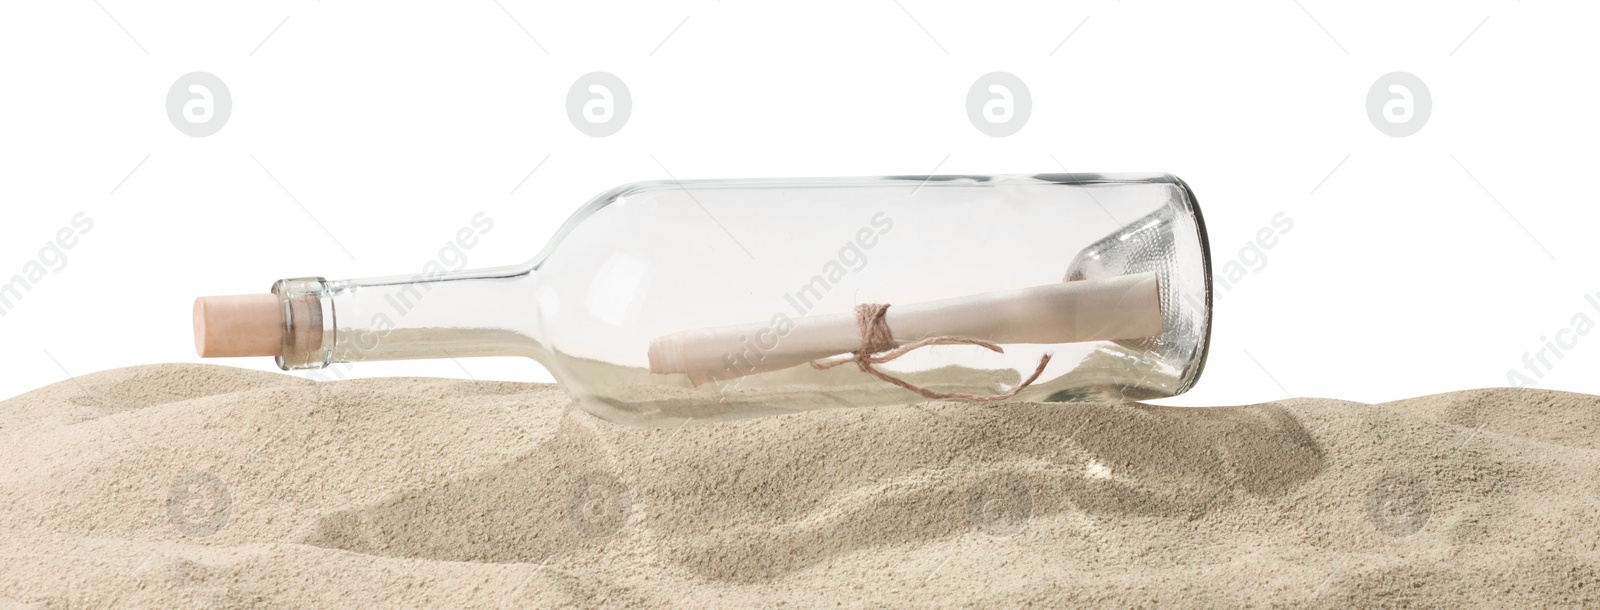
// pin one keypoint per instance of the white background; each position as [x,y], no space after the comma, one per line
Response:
[1416,265]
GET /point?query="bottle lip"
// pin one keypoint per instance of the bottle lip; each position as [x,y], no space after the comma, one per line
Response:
[309,323]
[1192,204]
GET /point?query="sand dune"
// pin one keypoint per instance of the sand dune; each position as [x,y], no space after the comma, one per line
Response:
[203,486]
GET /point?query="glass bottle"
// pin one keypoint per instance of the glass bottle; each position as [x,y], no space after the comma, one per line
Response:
[660,302]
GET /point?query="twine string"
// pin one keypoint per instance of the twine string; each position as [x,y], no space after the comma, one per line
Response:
[878,347]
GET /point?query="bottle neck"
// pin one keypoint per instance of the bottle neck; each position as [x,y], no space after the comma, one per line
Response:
[487,312]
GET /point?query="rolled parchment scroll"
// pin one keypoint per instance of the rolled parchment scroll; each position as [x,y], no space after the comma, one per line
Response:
[1124,307]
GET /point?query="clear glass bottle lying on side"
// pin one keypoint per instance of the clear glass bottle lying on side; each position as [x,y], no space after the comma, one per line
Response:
[659,302]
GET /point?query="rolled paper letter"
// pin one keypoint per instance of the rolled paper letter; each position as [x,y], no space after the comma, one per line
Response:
[1124,307]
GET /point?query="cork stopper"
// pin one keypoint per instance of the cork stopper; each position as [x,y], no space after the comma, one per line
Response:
[238,325]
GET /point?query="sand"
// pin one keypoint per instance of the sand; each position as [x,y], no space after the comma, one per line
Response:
[193,486]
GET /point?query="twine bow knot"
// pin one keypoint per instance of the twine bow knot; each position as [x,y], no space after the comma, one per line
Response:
[878,347]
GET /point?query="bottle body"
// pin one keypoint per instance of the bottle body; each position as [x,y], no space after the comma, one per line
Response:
[664,302]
